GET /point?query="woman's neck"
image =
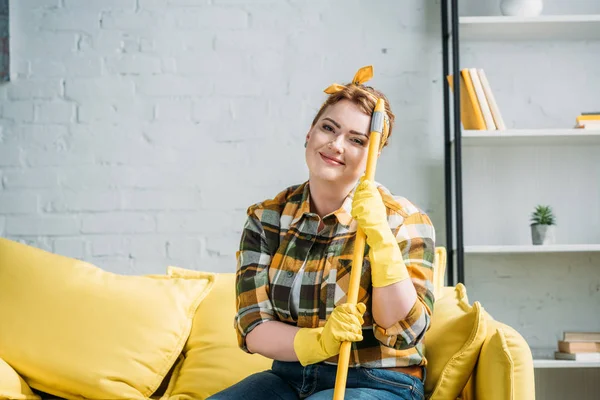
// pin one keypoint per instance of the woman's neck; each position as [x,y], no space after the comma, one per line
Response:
[326,197]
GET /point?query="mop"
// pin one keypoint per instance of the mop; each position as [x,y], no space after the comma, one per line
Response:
[379,133]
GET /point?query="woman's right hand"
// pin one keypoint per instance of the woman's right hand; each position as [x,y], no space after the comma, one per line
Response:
[344,325]
[313,345]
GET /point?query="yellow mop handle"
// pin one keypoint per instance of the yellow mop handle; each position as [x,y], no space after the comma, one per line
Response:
[375,139]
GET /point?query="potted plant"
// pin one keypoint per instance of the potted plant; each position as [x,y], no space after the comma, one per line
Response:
[542,225]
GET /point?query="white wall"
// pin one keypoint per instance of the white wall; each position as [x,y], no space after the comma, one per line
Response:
[135,134]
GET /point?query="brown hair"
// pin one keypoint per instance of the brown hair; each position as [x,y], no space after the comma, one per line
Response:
[364,97]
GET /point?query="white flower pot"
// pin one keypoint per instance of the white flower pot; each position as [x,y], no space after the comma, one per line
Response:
[521,8]
[542,234]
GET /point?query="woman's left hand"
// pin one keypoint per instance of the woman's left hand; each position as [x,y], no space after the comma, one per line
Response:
[368,208]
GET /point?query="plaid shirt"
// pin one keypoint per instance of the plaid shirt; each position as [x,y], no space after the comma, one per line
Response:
[280,235]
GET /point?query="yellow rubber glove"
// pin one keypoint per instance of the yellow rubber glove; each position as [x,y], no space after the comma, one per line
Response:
[313,345]
[368,209]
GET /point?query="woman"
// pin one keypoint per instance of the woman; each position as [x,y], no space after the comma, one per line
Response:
[294,266]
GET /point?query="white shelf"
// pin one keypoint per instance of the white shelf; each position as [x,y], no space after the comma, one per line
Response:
[564,364]
[552,27]
[525,249]
[511,137]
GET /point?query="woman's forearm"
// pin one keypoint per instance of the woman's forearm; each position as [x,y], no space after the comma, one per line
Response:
[274,340]
[392,303]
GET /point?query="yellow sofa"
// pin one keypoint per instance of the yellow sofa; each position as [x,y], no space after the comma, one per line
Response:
[503,364]
[71,330]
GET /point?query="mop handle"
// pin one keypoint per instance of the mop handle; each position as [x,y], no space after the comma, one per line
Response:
[377,130]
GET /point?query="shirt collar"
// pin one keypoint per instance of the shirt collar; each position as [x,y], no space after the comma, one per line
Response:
[343,214]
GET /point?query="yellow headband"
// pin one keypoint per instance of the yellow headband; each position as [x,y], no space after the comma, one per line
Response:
[362,75]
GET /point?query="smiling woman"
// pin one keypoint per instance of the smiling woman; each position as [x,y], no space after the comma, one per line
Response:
[342,143]
[339,137]
[294,264]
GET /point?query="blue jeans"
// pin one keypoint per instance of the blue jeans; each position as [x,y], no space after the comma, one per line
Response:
[290,380]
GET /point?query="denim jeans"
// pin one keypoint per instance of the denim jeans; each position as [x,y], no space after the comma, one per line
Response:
[290,380]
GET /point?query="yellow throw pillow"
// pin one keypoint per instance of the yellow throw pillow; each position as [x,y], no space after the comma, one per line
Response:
[12,386]
[73,330]
[452,344]
[212,359]
[505,366]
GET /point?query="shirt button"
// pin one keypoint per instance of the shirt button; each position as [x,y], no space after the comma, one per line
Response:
[290,274]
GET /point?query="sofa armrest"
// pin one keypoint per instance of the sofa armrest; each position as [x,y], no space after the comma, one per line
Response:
[504,370]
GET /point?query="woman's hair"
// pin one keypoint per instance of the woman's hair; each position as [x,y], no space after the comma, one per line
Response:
[364,97]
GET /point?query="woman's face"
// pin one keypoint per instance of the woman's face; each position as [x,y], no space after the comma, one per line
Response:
[337,145]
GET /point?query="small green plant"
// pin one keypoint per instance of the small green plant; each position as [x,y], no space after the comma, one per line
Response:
[543,216]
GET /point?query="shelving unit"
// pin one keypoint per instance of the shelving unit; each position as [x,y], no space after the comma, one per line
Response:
[547,27]
[491,158]
[485,28]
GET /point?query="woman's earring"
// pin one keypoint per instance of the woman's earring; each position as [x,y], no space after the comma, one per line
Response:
[305,144]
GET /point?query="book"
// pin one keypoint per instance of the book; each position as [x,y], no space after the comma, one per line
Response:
[582,118]
[481,99]
[588,125]
[578,347]
[470,114]
[491,100]
[581,336]
[587,357]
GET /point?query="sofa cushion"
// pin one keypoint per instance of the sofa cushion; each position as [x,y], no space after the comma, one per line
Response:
[452,343]
[505,367]
[212,360]
[12,386]
[71,329]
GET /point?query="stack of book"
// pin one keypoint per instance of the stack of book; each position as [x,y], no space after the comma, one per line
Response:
[588,120]
[478,107]
[579,346]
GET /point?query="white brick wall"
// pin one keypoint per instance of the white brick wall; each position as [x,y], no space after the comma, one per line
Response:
[134,133]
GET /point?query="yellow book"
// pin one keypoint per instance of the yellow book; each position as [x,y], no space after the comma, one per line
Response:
[470,113]
[484,106]
[592,117]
